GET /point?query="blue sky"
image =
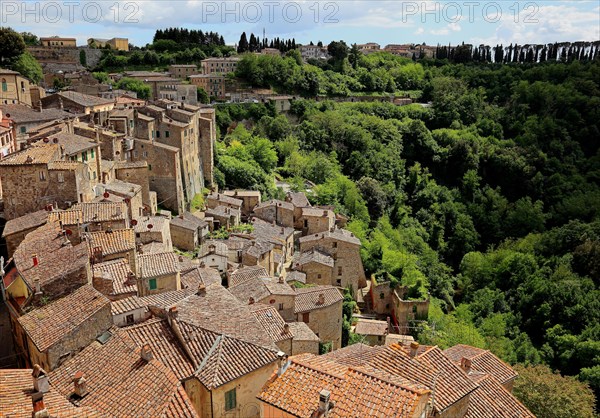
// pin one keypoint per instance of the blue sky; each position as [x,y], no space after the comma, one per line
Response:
[359,21]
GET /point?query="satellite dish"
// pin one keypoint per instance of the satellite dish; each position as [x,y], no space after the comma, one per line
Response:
[127,200]
[150,226]
[55,140]
[8,115]
[68,232]
[46,140]
[133,222]
[106,195]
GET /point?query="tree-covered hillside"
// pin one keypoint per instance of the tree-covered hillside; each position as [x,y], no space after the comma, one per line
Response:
[488,199]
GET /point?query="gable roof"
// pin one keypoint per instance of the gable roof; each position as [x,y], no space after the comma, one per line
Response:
[483,361]
[121,383]
[492,400]
[83,99]
[276,203]
[25,222]
[157,264]
[224,198]
[307,298]
[35,154]
[314,256]
[354,391]
[160,300]
[112,241]
[337,235]
[118,272]
[16,389]
[220,358]
[50,323]
[246,273]
[298,199]
[272,322]
[259,289]
[371,327]
[56,257]
[189,221]
[165,345]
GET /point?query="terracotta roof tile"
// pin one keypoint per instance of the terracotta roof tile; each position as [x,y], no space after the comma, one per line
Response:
[371,327]
[165,345]
[121,383]
[223,198]
[307,298]
[314,256]
[159,300]
[483,361]
[336,235]
[112,242]
[272,322]
[25,222]
[259,289]
[84,99]
[221,358]
[16,389]
[158,264]
[189,221]
[355,392]
[49,324]
[297,199]
[56,258]
[118,272]
[492,400]
[36,154]
[302,332]
[246,273]
[277,203]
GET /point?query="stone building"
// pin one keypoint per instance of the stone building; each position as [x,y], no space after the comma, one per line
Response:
[157,273]
[224,217]
[260,254]
[57,331]
[268,291]
[183,71]
[188,231]
[217,199]
[115,279]
[317,267]
[277,211]
[57,41]
[214,254]
[219,65]
[15,230]
[250,199]
[154,229]
[212,84]
[320,307]
[14,88]
[25,119]
[344,248]
[79,103]
[111,245]
[314,220]
[119,44]
[373,331]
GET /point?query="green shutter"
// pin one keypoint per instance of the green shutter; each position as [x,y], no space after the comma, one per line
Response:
[230,401]
[152,284]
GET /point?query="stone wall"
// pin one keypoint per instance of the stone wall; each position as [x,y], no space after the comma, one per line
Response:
[317,273]
[326,323]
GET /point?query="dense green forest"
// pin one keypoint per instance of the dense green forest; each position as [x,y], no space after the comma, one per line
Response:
[488,199]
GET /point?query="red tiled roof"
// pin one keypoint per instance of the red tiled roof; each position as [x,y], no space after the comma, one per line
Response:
[483,361]
[118,271]
[159,300]
[221,358]
[158,264]
[271,321]
[48,324]
[355,392]
[112,242]
[492,400]
[246,273]
[16,388]
[165,345]
[121,383]
[259,289]
[336,235]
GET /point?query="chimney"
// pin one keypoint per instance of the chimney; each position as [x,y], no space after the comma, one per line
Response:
[201,289]
[321,299]
[35,259]
[173,312]
[280,279]
[60,103]
[286,328]
[465,364]
[181,259]
[146,353]
[414,347]
[80,384]
[281,362]
[282,230]
[324,213]
[40,106]
[324,404]
[39,409]
[389,326]
[40,379]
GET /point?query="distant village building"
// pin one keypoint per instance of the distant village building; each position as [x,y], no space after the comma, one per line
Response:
[212,84]
[119,44]
[219,65]
[183,71]
[14,88]
[57,41]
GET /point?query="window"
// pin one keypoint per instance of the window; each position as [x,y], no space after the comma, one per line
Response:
[149,167]
[129,319]
[92,153]
[23,129]
[230,400]
[318,276]
[281,306]
[84,156]
[152,284]
[339,282]
[339,271]
[158,134]
[167,134]
[4,85]
[145,154]
[61,177]
[335,245]
[42,175]
[305,317]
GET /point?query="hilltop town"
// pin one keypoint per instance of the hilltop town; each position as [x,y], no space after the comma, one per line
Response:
[134,284]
